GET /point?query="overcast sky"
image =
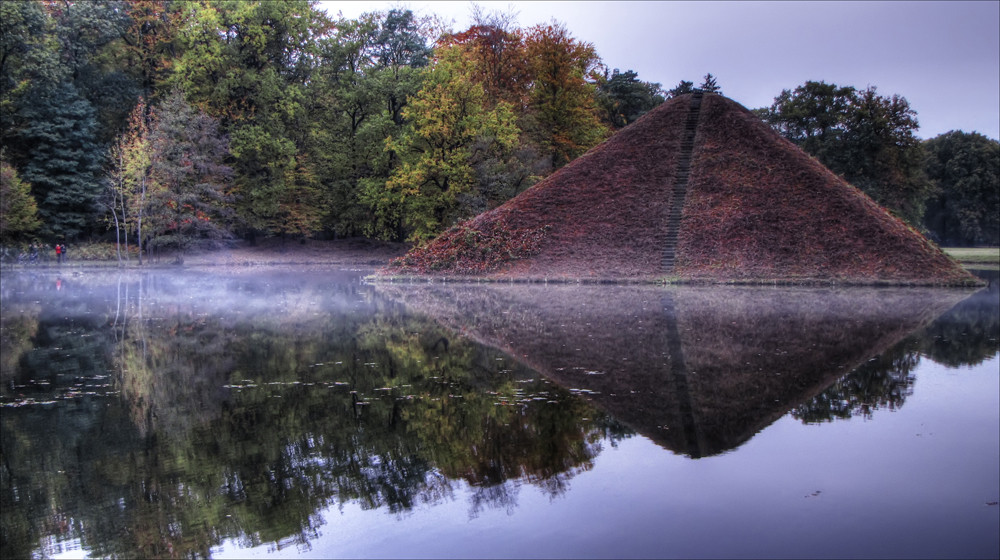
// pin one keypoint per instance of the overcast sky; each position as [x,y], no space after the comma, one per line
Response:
[943,57]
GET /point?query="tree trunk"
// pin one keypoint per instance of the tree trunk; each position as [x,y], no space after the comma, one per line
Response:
[125,230]
[118,234]
[142,204]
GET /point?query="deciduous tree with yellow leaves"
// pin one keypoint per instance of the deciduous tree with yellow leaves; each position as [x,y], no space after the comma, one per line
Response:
[450,128]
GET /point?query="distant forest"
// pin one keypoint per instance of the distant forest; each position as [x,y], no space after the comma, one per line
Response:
[184,123]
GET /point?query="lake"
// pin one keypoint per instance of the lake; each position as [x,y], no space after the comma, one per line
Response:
[310,413]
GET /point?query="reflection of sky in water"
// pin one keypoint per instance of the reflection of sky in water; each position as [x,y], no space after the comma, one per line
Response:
[324,359]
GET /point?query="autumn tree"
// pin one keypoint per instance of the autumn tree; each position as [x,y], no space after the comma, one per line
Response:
[188,200]
[18,211]
[451,126]
[128,168]
[563,111]
[150,43]
[496,48]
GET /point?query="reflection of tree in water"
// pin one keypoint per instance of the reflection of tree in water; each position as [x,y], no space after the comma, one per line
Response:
[169,367]
[246,425]
[18,327]
[966,335]
[247,410]
[498,496]
[969,333]
[55,380]
[883,382]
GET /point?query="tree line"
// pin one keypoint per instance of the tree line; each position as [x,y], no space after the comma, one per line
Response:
[947,186]
[178,123]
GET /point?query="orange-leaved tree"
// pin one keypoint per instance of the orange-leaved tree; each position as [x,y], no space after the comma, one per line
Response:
[499,61]
[562,108]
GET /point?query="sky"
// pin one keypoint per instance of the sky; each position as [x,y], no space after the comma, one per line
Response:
[943,57]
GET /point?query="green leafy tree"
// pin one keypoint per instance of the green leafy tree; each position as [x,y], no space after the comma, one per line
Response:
[965,170]
[624,98]
[28,55]
[347,144]
[90,41]
[867,138]
[813,116]
[451,126]
[205,65]
[401,52]
[882,156]
[189,202]
[238,57]
[400,49]
[18,211]
[62,98]
[369,70]
[248,64]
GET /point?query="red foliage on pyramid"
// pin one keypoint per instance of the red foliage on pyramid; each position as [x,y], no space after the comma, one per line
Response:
[751,207]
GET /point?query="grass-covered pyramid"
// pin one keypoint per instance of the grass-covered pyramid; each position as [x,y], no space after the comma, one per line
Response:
[699,189]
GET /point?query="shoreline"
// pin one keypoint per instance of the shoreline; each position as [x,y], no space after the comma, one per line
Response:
[372,255]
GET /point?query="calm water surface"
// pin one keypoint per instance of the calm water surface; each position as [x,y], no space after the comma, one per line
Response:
[309,413]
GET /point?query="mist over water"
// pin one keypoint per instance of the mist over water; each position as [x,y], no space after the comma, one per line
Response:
[307,412]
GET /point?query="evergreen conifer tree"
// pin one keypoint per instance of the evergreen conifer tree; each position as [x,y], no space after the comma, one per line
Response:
[710,85]
[63,161]
[681,88]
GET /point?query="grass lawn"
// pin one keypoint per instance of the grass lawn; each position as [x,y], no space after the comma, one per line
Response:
[974,255]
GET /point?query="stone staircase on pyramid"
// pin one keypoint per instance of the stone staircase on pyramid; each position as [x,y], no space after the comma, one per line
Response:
[680,183]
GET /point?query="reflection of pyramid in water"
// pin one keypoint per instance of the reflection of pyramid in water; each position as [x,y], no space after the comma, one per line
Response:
[699,371]
[698,189]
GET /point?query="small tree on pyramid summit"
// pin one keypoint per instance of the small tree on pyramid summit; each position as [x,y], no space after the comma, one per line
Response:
[683,87]
[709,85]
